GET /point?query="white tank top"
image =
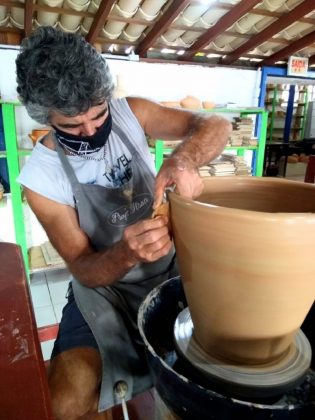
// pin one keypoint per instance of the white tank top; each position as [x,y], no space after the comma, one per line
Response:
[44,174]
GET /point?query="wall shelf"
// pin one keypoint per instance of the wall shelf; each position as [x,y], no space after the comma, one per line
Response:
[13,153]
[258,151]
[293,103]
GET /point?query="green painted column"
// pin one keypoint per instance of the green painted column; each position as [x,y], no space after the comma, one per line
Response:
[260,153]
[12,155]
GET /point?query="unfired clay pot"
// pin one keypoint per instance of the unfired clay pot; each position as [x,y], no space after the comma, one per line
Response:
[246,256]
[190,102]
[38,133]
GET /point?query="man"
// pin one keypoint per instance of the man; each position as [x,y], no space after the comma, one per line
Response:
[91,183]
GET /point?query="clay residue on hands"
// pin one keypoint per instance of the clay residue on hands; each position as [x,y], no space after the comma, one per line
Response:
[162,210]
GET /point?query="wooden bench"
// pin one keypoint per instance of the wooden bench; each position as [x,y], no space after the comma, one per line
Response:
[24,392]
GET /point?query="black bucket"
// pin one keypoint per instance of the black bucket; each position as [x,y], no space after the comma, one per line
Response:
[188,399]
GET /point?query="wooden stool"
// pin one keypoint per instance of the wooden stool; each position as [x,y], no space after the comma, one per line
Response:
[310,170]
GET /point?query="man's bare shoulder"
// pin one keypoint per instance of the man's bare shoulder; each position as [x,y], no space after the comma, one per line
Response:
[138,104]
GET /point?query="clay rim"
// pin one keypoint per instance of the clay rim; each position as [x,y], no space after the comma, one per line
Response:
[228,211]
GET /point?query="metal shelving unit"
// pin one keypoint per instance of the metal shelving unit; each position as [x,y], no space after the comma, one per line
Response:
[13,154]
[287,108]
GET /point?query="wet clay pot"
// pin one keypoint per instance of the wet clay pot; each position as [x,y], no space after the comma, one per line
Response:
[245,249]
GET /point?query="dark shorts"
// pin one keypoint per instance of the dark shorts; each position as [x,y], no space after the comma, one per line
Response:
[73,330]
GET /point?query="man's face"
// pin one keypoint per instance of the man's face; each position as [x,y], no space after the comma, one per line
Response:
[84,125]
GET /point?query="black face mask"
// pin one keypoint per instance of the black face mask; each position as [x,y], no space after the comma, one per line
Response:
[79,145]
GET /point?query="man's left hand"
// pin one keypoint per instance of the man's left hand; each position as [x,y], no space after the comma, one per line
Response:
[175,172]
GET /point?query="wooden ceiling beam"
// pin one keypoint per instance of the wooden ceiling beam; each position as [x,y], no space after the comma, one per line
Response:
[131,20]
[9,3]
[224,23]
[233,34]
[161,26]
[127,43]
[283,22]
[117,41]
[242,36]
[61,10]
[262,12]
[207,51]
[11,30]
[99,20]
[290,49]
[28,17]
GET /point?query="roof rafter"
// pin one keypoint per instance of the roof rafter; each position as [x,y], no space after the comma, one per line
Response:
[99,20]
[283,22]
[262,12]
[207,51]
[28,16]
[161,26]
[224,23]
[290,49]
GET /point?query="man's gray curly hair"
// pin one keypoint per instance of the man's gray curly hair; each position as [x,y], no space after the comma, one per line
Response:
[61,72]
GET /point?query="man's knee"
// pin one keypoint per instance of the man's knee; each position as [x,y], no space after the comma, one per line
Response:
[74,380]
[68,405]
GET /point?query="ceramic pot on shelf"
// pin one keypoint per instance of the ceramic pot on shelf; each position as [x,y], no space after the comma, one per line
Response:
[37,134]
[245,251]
[191,102]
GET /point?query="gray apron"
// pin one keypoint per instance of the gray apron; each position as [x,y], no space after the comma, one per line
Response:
[111,311]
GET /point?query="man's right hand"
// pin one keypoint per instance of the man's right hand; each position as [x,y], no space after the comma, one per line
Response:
[147,241]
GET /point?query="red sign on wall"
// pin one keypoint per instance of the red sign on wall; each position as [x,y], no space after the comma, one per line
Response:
[297,66]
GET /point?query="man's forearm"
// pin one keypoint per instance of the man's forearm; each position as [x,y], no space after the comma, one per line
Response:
[145,241]
[102,268]
[205,141]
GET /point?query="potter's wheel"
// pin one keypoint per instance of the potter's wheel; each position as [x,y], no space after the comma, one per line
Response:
[189,397]
[263,381]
